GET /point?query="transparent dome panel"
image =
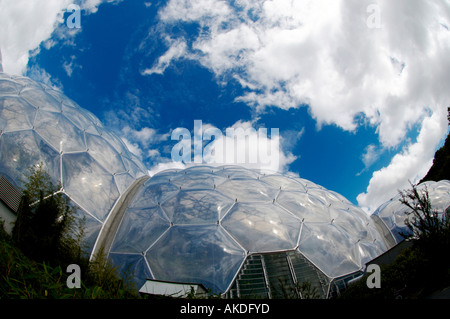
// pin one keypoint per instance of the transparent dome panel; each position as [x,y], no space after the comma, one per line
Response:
[123,181]
[283,183]
[23,149]
[197,207]
[139,229]
[352,221]
[16,114]
[305,206]
[59,132]
[199,254]
[262,228]
[247,190]
[8,86]
[199,169]
[198,180]
[91,227]
[27,83]
[77,117]
[326,196]
[369,250]
[89,184]
[105,154]
[40,99]
[112,139]
[439,194]
[132,165]
[330,249]
[131,266]
[307,184]
[236,172]
[154,193]
[393,213]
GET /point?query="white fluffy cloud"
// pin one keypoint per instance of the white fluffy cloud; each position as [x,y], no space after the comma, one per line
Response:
[240,144]
[413,163]
[176,51]
[25,24]
[384,61]
[247,146]
[324,53]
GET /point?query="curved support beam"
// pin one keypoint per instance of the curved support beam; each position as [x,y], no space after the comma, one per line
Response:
[112,223]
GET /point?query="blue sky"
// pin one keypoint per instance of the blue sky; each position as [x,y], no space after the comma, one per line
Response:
[357,92]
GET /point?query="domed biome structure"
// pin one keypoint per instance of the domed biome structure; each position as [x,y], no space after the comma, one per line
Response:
[244,233]
[40,124]
[237,231]
[390,217]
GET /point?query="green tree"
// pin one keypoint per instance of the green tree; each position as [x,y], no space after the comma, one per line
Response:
[46,228]
[429,230]
[424,223]
[46,238]
[423,268]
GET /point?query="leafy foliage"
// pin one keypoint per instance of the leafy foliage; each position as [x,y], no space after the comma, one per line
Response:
[46,238]
[46,228]
[421,269]
[422,220]
[429,231]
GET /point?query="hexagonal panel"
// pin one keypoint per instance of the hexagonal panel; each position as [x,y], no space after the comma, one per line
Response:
[155,190]
[236,172]
[201,254]
[283,183]
[16,114]
[123,181]
[59,132]
[305,206]
[105,154]
[330,249]
[133,265]
[77,116]
[248,190]
[89,184]
[393,214]
[8,86]
[197,207]
[262,227]
[23,149]
[139,229]
[198,180]
[40,99]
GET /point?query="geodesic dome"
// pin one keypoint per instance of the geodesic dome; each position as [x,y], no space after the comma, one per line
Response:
[232,228]
[40,124]
[391,215]
[241,232]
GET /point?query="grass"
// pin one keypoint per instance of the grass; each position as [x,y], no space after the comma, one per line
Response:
[24,278]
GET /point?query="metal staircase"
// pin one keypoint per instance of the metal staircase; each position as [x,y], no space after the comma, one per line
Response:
[279,275]
[305,272]
[250,282]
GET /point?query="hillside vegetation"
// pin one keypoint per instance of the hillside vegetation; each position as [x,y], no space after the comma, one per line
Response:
[46,239]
